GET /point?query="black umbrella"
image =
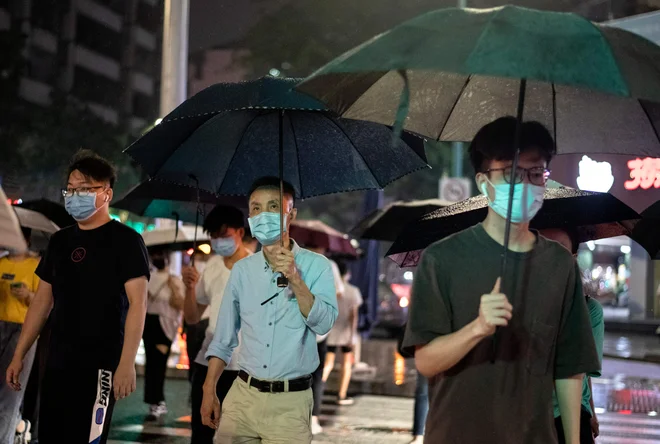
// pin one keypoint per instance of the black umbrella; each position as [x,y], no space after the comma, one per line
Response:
[647,231]
[52,210]
[229,135]
[385,224]
[594,215]
[157,199]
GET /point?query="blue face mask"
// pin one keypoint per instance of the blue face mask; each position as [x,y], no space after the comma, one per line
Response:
[224,246]
[265,227]
[527,200]
[81,207]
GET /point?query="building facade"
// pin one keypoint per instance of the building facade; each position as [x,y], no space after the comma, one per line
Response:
[104,53]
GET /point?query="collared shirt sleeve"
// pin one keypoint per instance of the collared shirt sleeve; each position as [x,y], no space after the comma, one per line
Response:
[225,338]
[324,312]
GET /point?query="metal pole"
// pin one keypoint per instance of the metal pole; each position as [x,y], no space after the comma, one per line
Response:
[174,77]
[457,147]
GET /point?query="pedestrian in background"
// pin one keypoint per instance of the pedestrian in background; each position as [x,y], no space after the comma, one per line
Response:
[18,284]
[164,308]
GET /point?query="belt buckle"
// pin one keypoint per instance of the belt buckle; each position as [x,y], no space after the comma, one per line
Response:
[270,386]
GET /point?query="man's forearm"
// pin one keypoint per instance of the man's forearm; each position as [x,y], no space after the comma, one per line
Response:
[569,396]
[133,332]
[216,367]
[303,295]
[192,312]
[34,321]
[446,351]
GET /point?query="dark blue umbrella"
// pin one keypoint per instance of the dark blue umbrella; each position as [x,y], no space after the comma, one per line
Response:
[228,135]
[165,200]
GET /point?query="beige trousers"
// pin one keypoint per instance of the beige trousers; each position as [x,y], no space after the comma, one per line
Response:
[250,416]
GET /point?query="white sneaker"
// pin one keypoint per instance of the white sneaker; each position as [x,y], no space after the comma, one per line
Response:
[316,427]
[345,401]
[23,435]
[418,440]
[156,411]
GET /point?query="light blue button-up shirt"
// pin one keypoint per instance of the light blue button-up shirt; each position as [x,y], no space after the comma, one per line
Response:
[277,342]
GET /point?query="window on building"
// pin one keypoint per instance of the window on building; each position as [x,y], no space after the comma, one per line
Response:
[42,65]
[149,17]
[92,87]
[117,6]
[97,37]
[144,106]
[47,14]
[146,61]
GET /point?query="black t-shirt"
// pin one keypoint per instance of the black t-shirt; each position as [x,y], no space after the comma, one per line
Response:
[87,270]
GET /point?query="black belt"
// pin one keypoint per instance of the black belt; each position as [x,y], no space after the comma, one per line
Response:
[295,385]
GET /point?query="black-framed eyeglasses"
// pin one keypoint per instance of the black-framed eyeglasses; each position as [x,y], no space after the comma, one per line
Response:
[67,192]
[535,175]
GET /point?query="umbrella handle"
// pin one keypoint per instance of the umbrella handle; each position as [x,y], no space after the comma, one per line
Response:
[282,281]
[509,210]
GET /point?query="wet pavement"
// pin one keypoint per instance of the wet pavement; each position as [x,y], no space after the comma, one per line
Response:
[627,399]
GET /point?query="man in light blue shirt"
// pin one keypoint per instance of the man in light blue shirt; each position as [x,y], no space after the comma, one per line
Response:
[271,400]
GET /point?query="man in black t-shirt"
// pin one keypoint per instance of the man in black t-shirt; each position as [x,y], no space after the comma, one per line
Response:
[94,287]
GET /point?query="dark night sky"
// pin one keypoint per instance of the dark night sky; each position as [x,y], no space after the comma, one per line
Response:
[221,22]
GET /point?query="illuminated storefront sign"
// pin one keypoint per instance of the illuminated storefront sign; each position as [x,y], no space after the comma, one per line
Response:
[644,174]
[595,176]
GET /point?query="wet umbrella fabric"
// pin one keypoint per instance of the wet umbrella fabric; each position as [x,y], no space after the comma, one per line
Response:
[228,135]
[593,215]
[158,199]
[314,233]
[52,210]
[647,231]
[385,224]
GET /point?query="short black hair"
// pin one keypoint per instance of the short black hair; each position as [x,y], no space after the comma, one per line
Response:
[343,267]
[91,165]
[223,215]
[271,182]
[495,141]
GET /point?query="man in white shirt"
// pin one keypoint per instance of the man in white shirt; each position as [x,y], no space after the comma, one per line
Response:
[226,227]
[344,334]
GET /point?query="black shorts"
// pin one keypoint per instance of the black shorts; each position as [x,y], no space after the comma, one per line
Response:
[76,406]
[344,348]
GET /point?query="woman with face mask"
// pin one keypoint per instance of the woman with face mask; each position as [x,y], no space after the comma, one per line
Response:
[164,306]
[204,293]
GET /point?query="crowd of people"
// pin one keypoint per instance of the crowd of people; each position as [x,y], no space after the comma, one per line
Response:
[511,350]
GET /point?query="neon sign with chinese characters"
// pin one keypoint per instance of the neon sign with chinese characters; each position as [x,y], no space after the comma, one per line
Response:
[644,174]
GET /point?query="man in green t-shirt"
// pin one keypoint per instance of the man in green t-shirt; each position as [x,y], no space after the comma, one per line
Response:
[589,427]
[486,390]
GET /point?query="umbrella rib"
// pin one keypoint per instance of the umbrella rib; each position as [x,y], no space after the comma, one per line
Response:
[451,111]
[354,147]
[295,144]
[648,116]
[236,150]
[554,115]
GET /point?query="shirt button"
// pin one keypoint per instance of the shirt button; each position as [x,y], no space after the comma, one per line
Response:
[267,345]
[270,323]
[265,366]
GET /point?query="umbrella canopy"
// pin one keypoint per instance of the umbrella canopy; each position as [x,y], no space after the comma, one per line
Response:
[647,231]
[52,210]
[11,236]
[594,215]
[34,220]
[385,224]
[314,233]
[172,238]
[229,135]
[592,84]
[166,200]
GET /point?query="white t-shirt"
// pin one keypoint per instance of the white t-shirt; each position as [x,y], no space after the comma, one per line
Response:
[210,290]
[342,333]
[339,288]
[158,302]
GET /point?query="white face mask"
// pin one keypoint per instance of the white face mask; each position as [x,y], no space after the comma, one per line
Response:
[527,200]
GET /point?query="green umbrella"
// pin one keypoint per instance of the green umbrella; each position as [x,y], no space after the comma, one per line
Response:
[448,72]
